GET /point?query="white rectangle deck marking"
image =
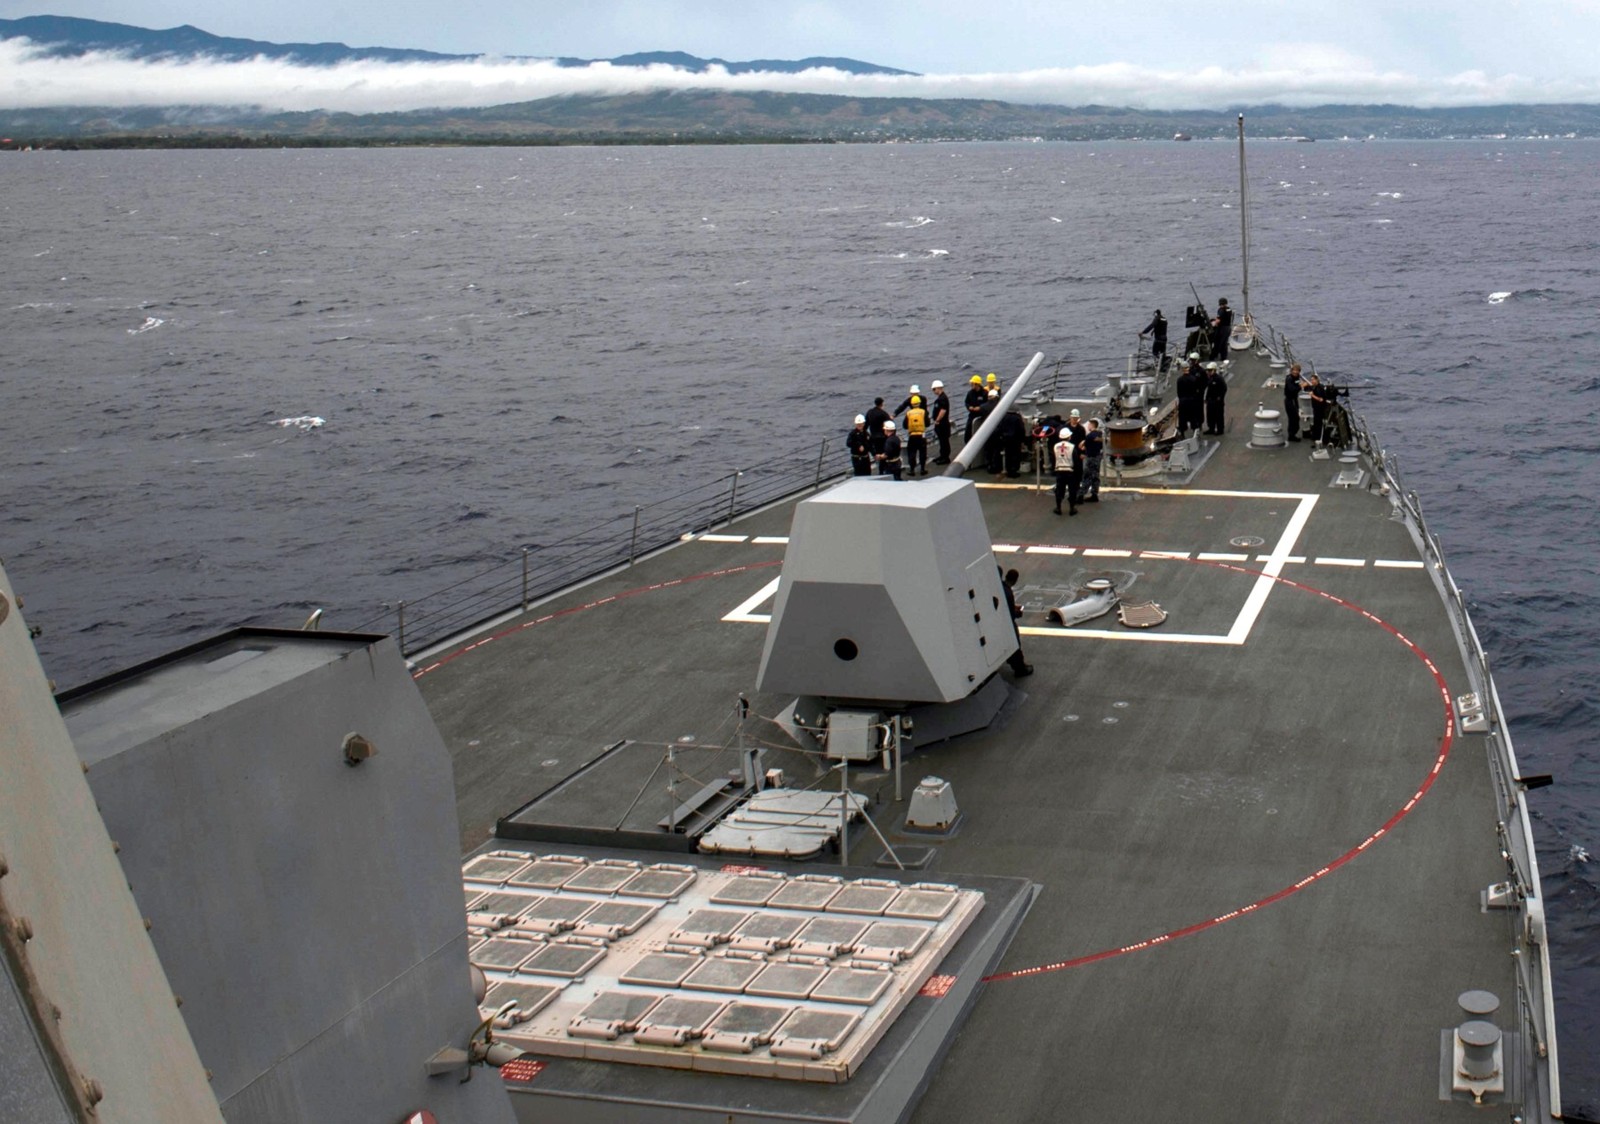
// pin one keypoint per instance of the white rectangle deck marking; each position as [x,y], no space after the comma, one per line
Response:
[771,540]
[1272,566]
[1396,564]
[1355,562]
[723,538]
[746,610]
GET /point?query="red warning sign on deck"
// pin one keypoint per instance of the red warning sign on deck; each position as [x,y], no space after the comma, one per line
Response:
[937,987]
[521,1070]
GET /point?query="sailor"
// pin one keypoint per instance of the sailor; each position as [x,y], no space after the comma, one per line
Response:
[1191,400]
[1157,331]
[992,449]
[1075,426]
[916,437]
[915,392]
[1065,451]
[1092,448]
[941,421]
[1010,435]
[889,457]
[992,383]
[1291,402]
[1215,390]
[1319,406]
[875,419]
[1221,329]
[976,397]
[1019,666]
[860,446]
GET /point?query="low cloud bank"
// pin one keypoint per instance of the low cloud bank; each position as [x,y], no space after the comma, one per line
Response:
[103,79]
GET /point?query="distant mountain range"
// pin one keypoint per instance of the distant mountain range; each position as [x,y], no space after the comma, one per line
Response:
[65,37]
[683,116]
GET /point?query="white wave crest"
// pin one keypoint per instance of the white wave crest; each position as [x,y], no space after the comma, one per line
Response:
[304,422]
[150,324]
[1497,298]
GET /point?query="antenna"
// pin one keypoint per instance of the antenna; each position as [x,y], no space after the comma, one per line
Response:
[1244,222]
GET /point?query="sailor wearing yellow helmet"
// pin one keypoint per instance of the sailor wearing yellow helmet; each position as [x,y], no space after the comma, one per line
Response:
[916,437]
[976,397]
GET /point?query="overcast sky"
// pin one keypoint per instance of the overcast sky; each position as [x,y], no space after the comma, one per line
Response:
[1162,54]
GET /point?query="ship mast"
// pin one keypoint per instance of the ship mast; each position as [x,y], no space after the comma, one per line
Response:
[1244,226]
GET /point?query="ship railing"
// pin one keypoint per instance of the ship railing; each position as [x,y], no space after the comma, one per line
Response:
[1525,899]
[1074,378]
[539,569]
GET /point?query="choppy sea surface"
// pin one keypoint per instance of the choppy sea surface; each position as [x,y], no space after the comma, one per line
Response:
[237,386]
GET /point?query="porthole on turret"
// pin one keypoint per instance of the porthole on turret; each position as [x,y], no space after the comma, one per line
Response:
[845,648]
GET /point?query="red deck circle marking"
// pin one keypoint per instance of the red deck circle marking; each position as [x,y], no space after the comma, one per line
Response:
[1295,887]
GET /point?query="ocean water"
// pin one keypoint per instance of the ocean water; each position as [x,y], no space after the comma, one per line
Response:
[235,387]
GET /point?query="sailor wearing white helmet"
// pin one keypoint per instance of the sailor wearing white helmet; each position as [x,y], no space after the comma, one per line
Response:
[941,421]
[859,442]
[889,456]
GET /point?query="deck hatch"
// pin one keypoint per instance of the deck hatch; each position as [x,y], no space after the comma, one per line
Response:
[566,960]
[807,892]
[853,985]
[531,999]
[612,1014]
[742,1027]
[767,932]
[547,874]
[677,1019]
[503,903]
[662,881]
[811,1034]
[720,974]
[493,868]
[555,914]
[786,981]
[601,878]
[863,897]
[922,904]
[505,953]
[661,969]
[615,919]
[749,890]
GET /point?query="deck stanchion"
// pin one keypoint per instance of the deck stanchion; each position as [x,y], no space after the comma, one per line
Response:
[821,453]
[844,812]
[524,579]
[400,612]
[633,543]
[733,495]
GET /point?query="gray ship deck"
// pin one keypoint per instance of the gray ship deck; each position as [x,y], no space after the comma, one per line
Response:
[1260,837]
